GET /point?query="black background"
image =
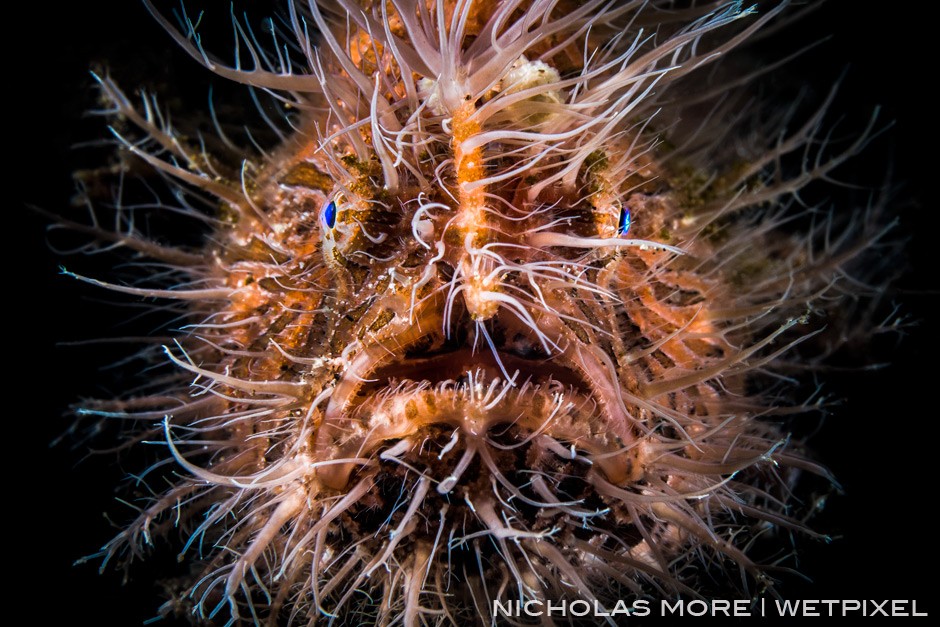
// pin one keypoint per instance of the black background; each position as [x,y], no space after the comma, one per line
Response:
[880,442]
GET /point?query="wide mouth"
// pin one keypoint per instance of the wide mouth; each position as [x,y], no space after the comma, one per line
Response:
[457,365]
[474,394]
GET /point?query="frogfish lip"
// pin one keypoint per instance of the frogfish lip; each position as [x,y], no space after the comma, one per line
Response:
[467,392]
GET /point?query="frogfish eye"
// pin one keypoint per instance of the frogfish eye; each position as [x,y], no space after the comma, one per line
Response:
[329,214]
[623,225]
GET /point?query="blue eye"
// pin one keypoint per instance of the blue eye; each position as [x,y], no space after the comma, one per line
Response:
[624,225]
[329,215]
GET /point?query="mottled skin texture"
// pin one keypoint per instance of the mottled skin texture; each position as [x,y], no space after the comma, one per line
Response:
[470,385]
